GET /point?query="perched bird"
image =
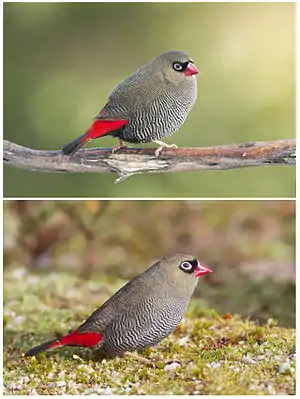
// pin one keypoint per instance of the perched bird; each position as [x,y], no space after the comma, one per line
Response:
[148,106]
[141,314]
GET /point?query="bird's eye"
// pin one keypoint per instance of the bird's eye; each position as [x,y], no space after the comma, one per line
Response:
[177,66]
[186,266]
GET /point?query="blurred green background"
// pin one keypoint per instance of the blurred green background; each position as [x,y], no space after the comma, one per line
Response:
[61,61]
[250,245]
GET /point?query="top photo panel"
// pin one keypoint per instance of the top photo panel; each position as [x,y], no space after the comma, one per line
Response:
[165,99]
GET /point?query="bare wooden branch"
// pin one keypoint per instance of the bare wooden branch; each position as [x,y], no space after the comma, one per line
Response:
[130,161]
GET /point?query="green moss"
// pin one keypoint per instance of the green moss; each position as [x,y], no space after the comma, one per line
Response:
[222,355]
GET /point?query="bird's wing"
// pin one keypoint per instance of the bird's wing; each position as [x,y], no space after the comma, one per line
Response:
[139,90]
[127,297]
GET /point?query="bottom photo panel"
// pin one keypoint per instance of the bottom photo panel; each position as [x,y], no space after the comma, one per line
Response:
[149,297]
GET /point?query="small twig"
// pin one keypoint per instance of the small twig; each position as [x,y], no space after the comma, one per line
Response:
[130,161]
[137,357]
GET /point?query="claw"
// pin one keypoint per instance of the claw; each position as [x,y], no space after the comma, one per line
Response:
[118,147]
[163,145]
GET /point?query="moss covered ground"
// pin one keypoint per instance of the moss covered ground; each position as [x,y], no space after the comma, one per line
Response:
[207,354]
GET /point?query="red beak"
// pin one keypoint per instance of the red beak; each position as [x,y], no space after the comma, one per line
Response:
[191,70]
[201,269]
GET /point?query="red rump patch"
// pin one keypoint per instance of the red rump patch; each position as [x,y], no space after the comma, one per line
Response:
[76,338]
[101,127]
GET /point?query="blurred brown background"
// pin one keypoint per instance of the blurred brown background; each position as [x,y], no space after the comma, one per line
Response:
[61,61]
[250,245]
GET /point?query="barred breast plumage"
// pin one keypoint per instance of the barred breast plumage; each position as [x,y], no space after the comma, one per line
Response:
[143,325]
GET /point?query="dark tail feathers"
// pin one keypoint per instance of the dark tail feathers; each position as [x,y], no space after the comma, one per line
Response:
[74,146]
[43,347]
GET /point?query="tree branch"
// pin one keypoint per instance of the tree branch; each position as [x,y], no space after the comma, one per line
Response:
[130,161]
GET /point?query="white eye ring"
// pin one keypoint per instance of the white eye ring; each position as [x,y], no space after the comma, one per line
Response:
[177,66]
[186,266]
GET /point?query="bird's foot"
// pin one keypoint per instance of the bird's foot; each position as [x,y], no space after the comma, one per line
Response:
[163,145]
[138,357]
[118,147]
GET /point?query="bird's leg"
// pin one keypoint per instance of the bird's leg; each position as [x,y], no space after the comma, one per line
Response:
[163,145]
[138,357]
[119,146]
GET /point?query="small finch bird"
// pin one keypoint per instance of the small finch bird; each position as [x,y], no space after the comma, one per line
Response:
[141,314]
[148,106]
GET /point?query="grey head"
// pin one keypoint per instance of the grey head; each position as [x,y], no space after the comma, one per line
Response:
[176,67]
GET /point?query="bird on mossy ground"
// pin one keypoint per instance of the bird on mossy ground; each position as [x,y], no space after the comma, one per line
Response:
[141,314]
[148,106]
